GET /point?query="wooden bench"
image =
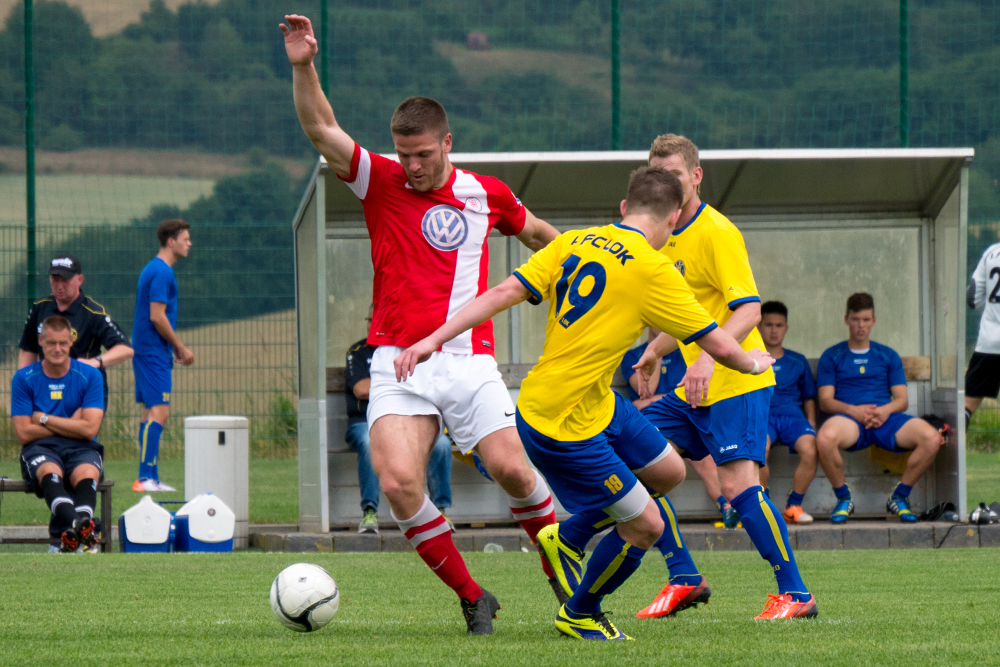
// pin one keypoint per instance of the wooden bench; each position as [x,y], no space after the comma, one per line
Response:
[104,488]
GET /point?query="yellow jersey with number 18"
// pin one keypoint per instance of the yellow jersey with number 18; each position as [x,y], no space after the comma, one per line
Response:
[604,285]
[710,253]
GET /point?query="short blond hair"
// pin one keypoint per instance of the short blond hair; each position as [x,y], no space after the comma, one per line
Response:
[666,145]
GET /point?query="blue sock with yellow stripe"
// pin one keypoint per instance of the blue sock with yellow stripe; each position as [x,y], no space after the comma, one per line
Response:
[145,472]
[578,530]
[149,444]
[613,561]
[683,571]
[767,530]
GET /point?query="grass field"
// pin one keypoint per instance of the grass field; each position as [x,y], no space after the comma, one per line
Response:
[924,607]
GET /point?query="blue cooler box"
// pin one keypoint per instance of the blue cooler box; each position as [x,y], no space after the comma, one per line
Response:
[204,524]
[144,527]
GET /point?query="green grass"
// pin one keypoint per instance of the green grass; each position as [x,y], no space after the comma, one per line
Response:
[982,475]
[274,495]
[922,607]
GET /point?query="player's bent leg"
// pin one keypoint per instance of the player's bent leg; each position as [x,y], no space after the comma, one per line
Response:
[687,587]
[527,494]
[709,475]
[400,447]
[836,434]
[923,441]
[805,471]
[616,557]
[503,455]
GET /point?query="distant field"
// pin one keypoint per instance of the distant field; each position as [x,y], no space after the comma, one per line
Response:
[574,69]
[179,164]
[84,200]
[107,17]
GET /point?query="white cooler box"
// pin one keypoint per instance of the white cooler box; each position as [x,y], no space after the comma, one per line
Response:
[204,523]
[144,527]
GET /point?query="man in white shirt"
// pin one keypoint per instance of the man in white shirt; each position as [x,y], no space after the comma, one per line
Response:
[982,380]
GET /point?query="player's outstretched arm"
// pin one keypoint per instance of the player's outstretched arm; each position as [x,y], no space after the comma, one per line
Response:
[314,110]
[721,345]
[536,233]
[505,295]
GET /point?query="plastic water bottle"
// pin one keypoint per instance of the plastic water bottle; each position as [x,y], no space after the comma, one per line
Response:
[492,548]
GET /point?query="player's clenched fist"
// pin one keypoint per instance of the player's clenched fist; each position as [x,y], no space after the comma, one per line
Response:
[300,42]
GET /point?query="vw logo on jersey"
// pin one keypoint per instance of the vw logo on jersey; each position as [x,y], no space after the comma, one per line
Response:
[679,265]
[445,227]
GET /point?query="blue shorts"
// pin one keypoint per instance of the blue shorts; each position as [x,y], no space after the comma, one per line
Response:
[787,428]
[883,437]
[729,430]
[153,380]
[598,472]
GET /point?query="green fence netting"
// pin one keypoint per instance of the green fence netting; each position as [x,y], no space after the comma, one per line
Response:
[149,109]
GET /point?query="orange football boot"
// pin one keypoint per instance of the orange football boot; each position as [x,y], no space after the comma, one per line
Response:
[783,606]
[673,599]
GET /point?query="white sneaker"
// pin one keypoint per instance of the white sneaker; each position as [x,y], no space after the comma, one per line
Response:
[53,549]
[145,486]
[160,486]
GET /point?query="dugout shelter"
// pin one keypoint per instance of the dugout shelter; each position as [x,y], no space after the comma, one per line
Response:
[819,225]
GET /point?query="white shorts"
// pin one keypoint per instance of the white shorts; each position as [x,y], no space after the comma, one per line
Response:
[464,391]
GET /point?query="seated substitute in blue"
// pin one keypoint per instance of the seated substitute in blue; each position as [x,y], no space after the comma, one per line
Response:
[791,420]
[863,385]
[672,368]
[56,407]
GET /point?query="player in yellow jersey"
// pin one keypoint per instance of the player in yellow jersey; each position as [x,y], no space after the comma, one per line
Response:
[716,411]
[604,286]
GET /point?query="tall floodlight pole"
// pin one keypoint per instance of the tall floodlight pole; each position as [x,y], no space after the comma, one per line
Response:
[29,143]
[904,74]
[324,48]
[616,85]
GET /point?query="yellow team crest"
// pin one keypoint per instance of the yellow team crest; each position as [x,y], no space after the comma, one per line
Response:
[862,370]
[55,395]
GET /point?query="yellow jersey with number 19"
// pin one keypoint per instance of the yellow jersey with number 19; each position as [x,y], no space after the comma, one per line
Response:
[711,255]
[604,285]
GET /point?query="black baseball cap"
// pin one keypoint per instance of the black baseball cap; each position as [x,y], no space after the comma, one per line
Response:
[66,266]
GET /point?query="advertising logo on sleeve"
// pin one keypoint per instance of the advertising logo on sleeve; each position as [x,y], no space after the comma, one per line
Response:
[444,227]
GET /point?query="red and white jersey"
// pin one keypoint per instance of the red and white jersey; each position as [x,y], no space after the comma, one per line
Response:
[429,249]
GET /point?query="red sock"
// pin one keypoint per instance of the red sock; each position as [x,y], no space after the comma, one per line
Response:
[534,513]
[430,535]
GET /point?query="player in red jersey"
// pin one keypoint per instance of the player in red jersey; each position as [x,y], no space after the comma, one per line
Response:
[429,223]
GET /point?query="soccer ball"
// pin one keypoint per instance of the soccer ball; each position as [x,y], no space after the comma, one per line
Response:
[304,597]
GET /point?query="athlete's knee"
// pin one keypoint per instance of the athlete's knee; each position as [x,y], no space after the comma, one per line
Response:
[806,449]
[664,475]
[514,476]
[644,530]
[398,484]
[827,441]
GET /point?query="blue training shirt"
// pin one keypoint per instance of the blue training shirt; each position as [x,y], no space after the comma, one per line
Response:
[156,284]
[32,390]
[672,369]
[794,383]
[861,379]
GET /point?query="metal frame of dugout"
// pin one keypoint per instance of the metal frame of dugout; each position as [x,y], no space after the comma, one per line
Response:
[818,224]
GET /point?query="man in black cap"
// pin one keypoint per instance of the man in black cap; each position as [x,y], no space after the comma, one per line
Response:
[92,329]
